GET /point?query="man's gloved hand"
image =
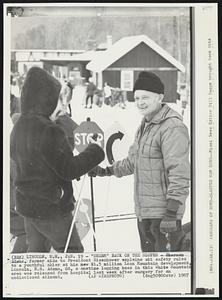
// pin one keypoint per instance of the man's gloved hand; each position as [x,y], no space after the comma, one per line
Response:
[169,222]
[98,171]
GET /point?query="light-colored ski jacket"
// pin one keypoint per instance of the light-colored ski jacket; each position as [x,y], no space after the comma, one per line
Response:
[159,160]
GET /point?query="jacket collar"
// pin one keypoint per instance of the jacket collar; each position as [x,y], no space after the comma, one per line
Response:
[164,113]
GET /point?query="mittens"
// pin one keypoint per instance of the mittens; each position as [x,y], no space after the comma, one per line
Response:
[169,222]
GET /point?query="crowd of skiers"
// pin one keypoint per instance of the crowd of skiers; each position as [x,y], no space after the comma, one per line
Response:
[108,95]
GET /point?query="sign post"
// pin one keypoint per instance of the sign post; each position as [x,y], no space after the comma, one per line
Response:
[82,135]
[93,212]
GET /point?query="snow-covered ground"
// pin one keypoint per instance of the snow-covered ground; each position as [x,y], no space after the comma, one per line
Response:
[116,228]
[114,196]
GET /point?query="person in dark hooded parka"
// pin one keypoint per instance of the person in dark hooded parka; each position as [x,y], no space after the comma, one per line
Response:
[44,159]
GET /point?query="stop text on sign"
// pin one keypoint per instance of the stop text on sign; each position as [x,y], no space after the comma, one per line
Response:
[83,138]
[84,132]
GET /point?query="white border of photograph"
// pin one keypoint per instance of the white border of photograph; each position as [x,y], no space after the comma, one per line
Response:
[205,212]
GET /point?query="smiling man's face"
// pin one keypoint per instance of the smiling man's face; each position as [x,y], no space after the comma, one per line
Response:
[147,102]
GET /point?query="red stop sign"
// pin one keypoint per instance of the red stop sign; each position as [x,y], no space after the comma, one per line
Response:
[84,131]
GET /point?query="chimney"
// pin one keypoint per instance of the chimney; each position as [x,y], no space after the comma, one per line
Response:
[109,41]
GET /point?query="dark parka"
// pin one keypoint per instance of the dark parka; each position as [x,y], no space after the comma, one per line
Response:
[42,154]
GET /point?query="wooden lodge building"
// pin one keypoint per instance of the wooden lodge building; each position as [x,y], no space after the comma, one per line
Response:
[119,65]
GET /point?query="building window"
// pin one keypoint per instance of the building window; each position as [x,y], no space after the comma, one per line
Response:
[127,80]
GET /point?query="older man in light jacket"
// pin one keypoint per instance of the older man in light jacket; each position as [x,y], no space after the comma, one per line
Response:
[159,160]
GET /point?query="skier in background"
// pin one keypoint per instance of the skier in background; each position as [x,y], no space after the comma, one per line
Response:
[107,94]
[90,90]
[63,115]
[15,106]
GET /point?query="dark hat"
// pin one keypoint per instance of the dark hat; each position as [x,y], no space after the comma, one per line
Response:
[149,82]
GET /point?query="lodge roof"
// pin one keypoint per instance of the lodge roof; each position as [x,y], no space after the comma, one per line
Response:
[122,47]
[85,56]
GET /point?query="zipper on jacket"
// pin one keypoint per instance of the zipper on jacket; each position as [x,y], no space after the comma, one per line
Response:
[144,129]
[136,169]
[147,131]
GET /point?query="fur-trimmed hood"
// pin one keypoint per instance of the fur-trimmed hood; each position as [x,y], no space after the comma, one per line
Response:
[40,92]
